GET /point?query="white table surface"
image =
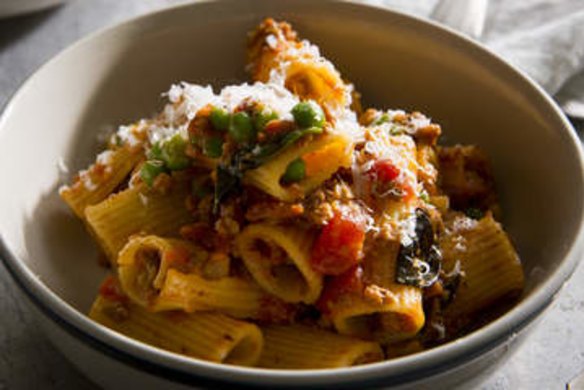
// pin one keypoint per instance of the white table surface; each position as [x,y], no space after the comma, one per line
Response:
[550,357]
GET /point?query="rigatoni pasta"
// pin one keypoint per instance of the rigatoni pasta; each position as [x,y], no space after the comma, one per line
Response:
[136,210]
[144,262]
[278,257]
[383,309]
[277,225]
[99,181]
[235,296]
[297,346]
[321,158]
[492,270]
[210,336]
[275,55]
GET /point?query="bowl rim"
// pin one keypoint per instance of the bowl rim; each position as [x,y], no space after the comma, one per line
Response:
[421,365]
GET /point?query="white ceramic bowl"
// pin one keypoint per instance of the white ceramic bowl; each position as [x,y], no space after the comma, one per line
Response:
[18,7]
[117,75]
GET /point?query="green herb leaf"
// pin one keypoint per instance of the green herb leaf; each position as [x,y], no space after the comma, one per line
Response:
[228,181]
[384,118]
[213,147]
[474,213]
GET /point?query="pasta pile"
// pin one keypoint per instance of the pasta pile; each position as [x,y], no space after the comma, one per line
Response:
[277,224]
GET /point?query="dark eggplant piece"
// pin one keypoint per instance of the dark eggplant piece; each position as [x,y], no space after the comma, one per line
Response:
[419,262]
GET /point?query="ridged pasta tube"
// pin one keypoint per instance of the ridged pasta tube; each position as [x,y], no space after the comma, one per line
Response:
[101,179]
[380,314]
[303,347]
[322,156]
[489,267]
[237,297]
[133,211]
[209,336]
[276,55]
[164,274]
[144,262]
[278,258]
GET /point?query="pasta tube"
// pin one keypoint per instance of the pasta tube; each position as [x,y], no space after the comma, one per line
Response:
[234,296]
[380,309]
[322,157]
[101,179]
[381,314]
[136,210]
[164,274]
[278,258]
[209,336]
[144,262]
[303,347]
[275,55]
[488,265]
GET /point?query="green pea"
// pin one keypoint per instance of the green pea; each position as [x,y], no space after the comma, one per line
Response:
[173,153]
[241,127]
[295,172]
[150,170]
[220,119]
[308,114]
[155,152]
[213,147]
[261,119]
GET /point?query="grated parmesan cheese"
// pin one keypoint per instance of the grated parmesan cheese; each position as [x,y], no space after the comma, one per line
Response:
[460,244]
[62,167]
[104,158]
[463,223]
[127,135]
[274,97]
[272,41]
[143,199]
[86,180]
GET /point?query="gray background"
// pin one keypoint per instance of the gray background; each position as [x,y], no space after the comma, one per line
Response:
[552,355]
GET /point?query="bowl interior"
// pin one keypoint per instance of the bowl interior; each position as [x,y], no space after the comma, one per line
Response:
[118,76]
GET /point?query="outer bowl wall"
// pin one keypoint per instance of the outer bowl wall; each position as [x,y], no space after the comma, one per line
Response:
[116,76]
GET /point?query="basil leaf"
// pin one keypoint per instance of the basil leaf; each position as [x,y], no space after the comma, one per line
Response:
[269,150]
[474,213]
[227,181]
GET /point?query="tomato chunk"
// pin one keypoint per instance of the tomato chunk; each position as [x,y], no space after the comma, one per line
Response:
[350,281]
[384,170]
[111,290]
[339,246]
[178,258]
